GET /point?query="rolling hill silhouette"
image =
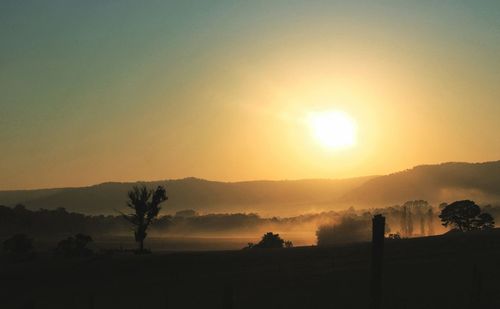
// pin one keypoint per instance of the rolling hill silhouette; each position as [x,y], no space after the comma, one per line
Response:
[435,183]
[266,197]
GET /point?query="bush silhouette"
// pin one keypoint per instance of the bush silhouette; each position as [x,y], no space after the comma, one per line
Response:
[465,216]
[19,247]
[270,240]
[349,229]
[484,221]
[74,246]
[146,206]
[395,236]
[250,245]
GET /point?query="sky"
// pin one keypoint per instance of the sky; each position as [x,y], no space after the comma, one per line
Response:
[96,91]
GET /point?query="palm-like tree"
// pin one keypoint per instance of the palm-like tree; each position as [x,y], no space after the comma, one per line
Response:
[146,206]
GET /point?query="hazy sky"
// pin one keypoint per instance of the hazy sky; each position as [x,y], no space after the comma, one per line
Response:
[94,91]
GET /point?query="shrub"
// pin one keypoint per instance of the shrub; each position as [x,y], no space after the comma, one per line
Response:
[348,230]
[74,246]
[270,240]
[19,248]
[250,245]
[395,236]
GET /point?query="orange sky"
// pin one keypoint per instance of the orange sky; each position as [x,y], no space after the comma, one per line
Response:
[222,91]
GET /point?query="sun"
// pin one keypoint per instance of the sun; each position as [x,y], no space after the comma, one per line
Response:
[333,129]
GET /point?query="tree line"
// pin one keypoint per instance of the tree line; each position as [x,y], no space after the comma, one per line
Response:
[412,219]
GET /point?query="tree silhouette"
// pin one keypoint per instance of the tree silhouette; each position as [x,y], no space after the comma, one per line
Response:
[407,220]
[146,206]
[19,243]
[74,246]
[19,247]
[270,240]
[465,216]
[430,222]
[484,221]
[349,229]
[414,212]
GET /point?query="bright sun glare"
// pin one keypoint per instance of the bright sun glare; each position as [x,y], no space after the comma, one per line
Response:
[333,129]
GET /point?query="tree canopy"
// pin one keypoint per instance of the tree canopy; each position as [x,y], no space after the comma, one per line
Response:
[271,240]
[465,216]
[146,206]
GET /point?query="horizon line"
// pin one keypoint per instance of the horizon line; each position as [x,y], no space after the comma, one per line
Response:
[238,181]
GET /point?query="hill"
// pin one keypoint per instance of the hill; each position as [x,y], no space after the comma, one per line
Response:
[285,197]
[434,183]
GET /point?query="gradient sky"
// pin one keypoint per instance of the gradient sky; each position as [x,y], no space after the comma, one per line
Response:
[94,91]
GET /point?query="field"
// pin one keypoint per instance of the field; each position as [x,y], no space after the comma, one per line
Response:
[450,271]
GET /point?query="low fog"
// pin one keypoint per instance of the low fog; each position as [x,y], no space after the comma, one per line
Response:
[229,231]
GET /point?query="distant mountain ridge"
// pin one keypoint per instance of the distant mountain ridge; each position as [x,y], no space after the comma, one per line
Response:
[434,183]
[266,197]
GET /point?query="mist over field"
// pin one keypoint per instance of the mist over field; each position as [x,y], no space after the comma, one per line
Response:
[249,154]
[233,214]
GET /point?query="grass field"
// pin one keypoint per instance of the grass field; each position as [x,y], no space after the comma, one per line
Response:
[172,243]
[452,271]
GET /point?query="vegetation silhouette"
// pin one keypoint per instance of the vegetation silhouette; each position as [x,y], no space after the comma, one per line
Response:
[74,246]
[146,206]
[52,223]
[394,236]
[307,269]
[335,227]
[270,241]
[416,212]
[19,248]
[425,182]
[414,218]
[466,216]
[350,229]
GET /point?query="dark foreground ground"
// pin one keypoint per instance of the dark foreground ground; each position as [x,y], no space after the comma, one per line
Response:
[454,271]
